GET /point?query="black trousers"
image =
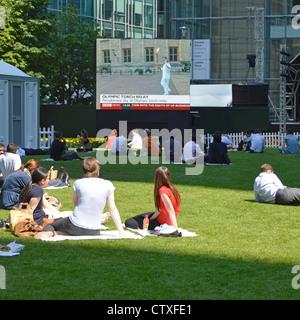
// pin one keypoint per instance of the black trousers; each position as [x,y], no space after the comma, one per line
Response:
[288,196]
[137,221]
[66,226]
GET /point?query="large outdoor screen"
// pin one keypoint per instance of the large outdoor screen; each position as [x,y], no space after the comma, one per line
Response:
[143,74]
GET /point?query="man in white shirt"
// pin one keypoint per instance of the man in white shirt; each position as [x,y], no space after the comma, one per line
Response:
[192,152]
[166,75]
[10,160]
[257,142]
[136,143]
[226,139]
[268,188]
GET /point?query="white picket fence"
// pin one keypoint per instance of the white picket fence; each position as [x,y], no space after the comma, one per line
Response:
[46,137]
[272,139]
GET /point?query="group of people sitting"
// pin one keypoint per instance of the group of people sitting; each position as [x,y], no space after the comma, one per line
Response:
[26,184]
[191,153]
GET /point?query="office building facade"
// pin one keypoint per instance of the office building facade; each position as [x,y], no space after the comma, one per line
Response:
[231,27]
[119,18]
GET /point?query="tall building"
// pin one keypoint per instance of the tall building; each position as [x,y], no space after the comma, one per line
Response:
[231,27]
[119,18]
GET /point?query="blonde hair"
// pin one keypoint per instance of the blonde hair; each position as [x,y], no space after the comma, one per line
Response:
[90,168]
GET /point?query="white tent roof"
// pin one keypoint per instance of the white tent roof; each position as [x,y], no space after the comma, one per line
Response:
[9,70]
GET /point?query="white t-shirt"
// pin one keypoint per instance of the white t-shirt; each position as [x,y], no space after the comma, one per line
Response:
[166,70]
[266,186]
[191,150]
[136,142]
[92,196]
[9,162]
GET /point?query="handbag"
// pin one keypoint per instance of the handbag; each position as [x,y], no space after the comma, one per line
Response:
[53,201]
[52,173]
[27,228]
[18,214]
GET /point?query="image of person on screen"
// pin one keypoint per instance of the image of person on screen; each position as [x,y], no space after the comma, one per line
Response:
[166,75]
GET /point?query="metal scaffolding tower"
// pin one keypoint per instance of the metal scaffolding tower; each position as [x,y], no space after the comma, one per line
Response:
[259,39]
[282,88]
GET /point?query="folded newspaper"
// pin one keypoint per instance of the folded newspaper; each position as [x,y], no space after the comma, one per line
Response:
[12,249]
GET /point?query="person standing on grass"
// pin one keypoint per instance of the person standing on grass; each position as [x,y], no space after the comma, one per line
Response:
[167,202]
[269,189]
[90,196]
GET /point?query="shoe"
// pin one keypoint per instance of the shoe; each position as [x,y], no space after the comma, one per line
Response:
[62,172]
[4,224]
[64,177]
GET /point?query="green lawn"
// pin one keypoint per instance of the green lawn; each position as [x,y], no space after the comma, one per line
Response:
[245,250]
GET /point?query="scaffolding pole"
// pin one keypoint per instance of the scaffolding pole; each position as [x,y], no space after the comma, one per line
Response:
[282,104]
[259,39]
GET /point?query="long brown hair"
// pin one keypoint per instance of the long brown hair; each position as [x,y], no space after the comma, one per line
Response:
[30,165]
[163,178]
[37,175]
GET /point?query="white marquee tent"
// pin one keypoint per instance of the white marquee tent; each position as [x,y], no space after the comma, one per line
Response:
[19,107]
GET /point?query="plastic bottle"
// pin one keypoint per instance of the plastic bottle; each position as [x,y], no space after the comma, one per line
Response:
[146,223]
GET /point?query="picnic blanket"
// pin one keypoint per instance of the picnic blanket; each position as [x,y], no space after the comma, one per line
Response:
[104,235]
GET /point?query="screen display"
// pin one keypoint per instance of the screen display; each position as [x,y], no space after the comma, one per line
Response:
[143,74]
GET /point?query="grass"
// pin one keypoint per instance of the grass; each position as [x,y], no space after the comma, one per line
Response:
[245,250]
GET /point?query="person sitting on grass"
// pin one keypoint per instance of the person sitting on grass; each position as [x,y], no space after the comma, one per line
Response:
[18,180]
[217,153]
[90,196]
[290,143]
[269,189]
[59,150]
[86,145]
[167,202]
[33,195]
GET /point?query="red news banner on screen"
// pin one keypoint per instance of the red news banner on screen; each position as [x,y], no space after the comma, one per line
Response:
[144,102]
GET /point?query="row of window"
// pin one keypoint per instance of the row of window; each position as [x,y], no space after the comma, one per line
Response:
[149,55]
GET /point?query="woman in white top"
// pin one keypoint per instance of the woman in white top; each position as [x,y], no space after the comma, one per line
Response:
[91,193]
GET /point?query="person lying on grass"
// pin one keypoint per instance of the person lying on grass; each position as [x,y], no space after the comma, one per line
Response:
[90,196]
[33,194]
[167,202]
[268,188]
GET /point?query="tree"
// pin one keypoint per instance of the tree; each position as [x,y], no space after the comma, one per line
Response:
[70,74]
[23,41]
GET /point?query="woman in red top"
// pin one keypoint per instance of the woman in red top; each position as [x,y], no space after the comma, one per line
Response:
[167,202]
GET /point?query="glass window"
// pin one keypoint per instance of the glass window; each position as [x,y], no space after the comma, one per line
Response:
[173,54]
[138,33]
[148,16]
[148,33]
[138,13]
[87,7]
[107,9]
[106,56]
[53,4]
[127,55]
[149,54]
[120,30]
